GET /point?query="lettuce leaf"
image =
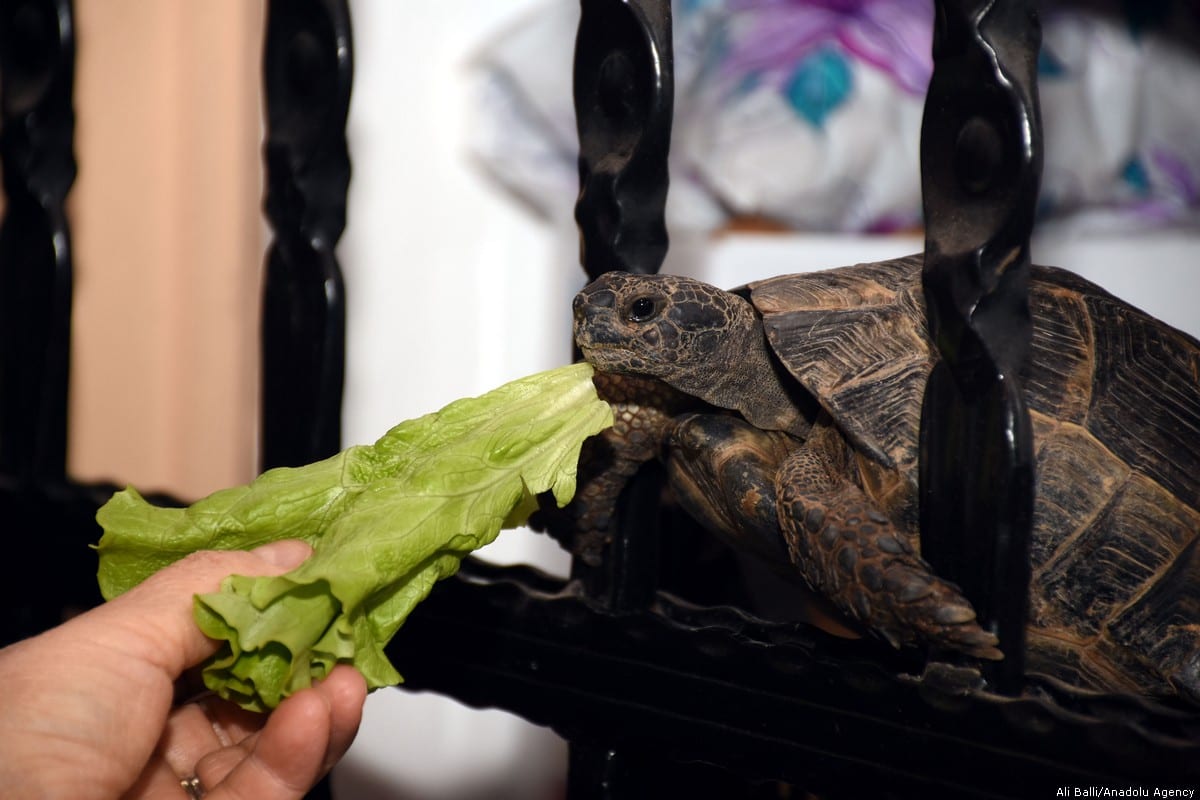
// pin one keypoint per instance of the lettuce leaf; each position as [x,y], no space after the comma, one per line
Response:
[386,521]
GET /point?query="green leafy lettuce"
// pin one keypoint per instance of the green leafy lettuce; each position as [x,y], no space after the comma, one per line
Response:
[386,522]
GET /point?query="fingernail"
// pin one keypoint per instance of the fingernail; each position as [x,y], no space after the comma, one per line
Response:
[287,553]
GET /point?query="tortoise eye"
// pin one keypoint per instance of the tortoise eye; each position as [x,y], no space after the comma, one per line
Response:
[642,309]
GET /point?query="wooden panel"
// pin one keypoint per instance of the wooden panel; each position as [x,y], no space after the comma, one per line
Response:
[169,243]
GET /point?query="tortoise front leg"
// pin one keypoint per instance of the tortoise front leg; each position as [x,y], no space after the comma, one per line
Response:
[722,471]
[643,412]
[851,552]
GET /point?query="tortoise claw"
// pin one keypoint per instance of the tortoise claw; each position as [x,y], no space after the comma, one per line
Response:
[947,620]
[907,604]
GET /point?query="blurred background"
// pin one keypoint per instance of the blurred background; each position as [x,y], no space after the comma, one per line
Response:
[794,148]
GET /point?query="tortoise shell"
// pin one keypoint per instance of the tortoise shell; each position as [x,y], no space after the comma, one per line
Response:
[1114,397]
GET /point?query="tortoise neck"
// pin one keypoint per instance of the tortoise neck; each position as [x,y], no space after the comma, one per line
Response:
[753,382]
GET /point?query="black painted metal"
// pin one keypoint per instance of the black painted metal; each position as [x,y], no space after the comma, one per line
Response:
[307,69]
[624,95]
[624,85]
[981,166]
[47,518]
[770,702]
[37,67]
[308,72]
[49,526]
[624,99]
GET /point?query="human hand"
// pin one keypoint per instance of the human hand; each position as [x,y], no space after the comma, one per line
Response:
[87,709]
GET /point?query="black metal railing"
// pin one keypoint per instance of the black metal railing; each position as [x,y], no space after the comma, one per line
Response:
[37,77]
[307,69]
[41,512]
[981,160]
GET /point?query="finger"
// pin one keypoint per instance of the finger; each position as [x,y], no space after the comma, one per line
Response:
[345,690]
[304,738]
[215,767]
[154,619]
[285,759]
[196,729]
[156,780]
[230,722]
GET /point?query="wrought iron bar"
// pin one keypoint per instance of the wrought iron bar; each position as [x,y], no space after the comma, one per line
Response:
[624,95]
[624,100]
[981,165]
[623,88]
[37,69]
[307,72]
[771,701]
[307,68]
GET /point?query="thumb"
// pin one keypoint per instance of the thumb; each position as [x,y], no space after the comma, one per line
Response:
[154,619]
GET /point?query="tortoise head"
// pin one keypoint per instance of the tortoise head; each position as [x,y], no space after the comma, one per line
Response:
[683,331]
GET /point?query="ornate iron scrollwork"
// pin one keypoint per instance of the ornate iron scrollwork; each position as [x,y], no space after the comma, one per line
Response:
[981,166]
[624,99]
[624,96]
[307,72]
[37,66]
[623,85]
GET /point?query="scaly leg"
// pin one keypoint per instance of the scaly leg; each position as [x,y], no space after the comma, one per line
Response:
[643,412]
[852,553]
[722,470]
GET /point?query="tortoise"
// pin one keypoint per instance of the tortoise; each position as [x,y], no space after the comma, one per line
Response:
[787,414]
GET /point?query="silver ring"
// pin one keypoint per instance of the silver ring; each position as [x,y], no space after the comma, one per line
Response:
[193,787]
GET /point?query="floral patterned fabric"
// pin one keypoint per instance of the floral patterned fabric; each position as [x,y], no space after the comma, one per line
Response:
[807,113]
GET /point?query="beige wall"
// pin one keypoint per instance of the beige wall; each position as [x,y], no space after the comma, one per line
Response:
[168,243]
